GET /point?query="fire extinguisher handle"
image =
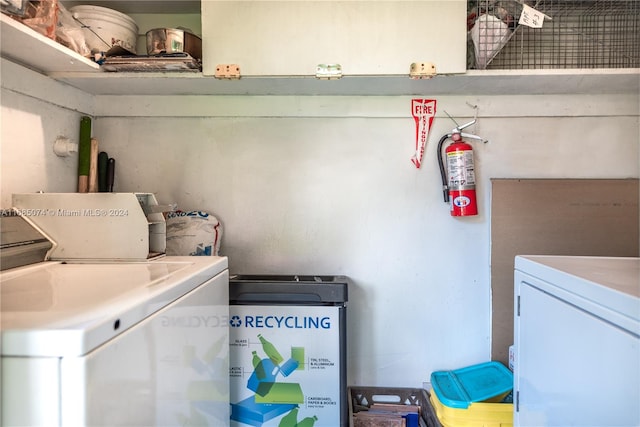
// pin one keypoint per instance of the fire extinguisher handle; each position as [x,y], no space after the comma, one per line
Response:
[459,128]
[472,136]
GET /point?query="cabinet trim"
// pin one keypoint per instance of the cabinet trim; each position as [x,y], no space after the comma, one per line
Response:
[605,81]
[380,107]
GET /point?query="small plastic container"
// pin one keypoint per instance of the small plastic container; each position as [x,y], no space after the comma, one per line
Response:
[473,396]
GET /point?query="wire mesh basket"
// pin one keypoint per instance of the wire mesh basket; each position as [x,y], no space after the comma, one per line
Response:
[569,34]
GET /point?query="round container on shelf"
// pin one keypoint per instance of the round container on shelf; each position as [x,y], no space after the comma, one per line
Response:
[173,40]
[105,28]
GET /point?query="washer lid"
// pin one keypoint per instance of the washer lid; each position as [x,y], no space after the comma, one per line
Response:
[20,242]
[608,286]
[62,309]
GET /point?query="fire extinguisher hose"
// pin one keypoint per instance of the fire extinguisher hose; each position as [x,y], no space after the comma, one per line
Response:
[443,174]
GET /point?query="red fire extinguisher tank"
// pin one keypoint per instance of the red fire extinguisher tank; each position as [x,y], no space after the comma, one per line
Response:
[462,180]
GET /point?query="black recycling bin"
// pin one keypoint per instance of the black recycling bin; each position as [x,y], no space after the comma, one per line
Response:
[288,350]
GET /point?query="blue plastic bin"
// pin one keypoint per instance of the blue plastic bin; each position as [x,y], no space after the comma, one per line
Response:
[477,383]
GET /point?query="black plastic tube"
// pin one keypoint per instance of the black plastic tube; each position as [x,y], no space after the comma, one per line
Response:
[443,174]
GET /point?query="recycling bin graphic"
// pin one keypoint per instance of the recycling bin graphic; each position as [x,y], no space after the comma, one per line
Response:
[288,351]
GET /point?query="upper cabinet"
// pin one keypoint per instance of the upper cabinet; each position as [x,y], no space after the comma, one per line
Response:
[307,47]
[326,37]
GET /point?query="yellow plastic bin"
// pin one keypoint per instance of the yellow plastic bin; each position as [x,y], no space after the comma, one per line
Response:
[478,414]
[473,396]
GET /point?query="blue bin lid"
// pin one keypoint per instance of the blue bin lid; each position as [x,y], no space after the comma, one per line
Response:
[460,387]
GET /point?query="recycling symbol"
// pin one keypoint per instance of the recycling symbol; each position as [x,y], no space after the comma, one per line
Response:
[235,321]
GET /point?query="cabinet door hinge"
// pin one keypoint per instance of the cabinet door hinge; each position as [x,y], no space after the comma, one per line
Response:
[518,306]
[328,71]
[422,70]
[227,71]
[517,396]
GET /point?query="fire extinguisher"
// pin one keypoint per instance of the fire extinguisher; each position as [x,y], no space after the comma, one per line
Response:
[458,181]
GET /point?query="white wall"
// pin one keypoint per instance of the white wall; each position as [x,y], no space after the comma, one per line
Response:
[33,113]
[324,185]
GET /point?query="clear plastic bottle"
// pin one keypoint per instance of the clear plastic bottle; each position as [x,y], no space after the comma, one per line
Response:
[258,366]
[256,359]
[288,367]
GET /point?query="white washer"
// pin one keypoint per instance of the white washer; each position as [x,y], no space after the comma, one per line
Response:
[577,341]
[110,344]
